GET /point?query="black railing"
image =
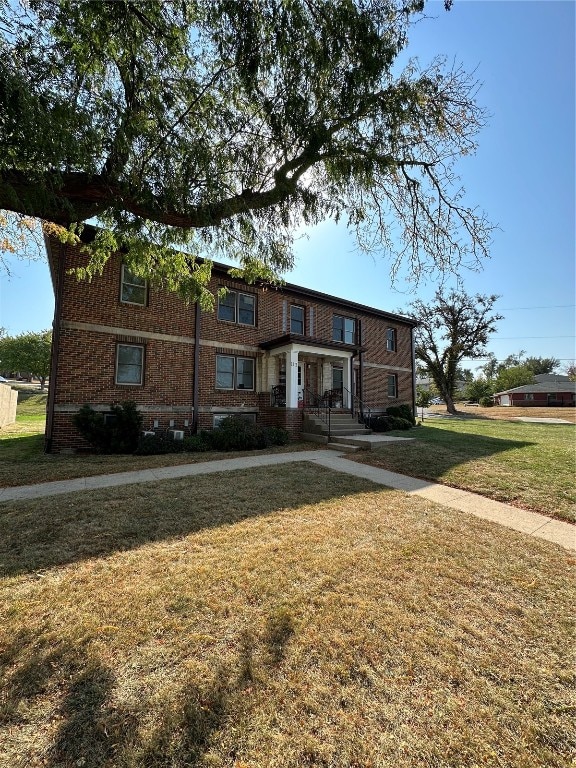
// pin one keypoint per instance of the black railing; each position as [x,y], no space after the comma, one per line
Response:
[319,405]
[358,408]
[278,396]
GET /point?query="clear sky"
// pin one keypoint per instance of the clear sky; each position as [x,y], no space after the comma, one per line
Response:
[523,176]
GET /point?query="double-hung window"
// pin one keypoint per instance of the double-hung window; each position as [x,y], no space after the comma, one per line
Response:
[390,339]
[129,364]
[344,329]
[133,289]
[234,372]
[392,385]
[235,307]
[297,319]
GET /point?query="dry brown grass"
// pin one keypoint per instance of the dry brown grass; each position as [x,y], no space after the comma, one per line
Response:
[307,619]
[508,412]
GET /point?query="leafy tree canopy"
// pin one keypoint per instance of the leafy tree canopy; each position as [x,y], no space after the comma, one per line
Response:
[453,327]
[27,352]
[515,376]
[220,126]
[541,364]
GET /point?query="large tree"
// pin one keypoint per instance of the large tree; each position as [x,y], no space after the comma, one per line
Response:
[27,352]
[453,327]
[219,126]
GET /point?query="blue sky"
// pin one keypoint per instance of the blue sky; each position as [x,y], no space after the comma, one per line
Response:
[523,176]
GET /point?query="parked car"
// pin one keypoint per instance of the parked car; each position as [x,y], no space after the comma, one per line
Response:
[437,401]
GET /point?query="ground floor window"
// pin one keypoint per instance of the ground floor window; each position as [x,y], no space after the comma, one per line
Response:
[129,364]
[219,417]
[392,385]
[234,372]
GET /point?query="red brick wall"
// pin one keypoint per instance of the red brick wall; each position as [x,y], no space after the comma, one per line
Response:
[87,357]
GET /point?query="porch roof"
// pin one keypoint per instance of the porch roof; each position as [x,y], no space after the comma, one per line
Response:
[296,338]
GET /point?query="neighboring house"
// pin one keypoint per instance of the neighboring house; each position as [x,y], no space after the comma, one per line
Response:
[265,352]
[548,390]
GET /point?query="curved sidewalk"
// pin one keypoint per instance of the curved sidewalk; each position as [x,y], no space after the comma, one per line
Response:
[531,523]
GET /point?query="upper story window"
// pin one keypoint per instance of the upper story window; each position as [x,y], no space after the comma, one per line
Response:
[133,289]
[344,329]
[297,319]
[129,364]
[391,339]
[237,307]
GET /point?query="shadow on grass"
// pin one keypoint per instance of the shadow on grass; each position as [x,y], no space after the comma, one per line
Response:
[95,730]
[42,533]
[435,451]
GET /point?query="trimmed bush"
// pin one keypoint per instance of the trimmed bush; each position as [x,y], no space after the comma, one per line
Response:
[403,412]
[277,436]
[396,422]
[151,445]
[115,432]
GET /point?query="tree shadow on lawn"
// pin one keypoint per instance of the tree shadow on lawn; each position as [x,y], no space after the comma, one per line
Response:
[42,533]
[434,451]
[93,729]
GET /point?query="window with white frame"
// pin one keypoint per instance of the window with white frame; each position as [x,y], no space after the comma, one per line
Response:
[235,307]
[344,329]
[297,319]
[392,385]
[129,364]
[133,289]
[390,339]
[234,372]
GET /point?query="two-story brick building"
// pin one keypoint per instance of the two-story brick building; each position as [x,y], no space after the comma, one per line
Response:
[265,352]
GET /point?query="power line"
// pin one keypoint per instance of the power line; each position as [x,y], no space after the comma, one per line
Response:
[549,306]
[510,338]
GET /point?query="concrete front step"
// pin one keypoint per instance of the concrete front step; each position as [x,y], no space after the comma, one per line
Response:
[346,447]
[337,443]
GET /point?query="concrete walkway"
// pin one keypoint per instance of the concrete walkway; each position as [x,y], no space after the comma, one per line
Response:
[531,523]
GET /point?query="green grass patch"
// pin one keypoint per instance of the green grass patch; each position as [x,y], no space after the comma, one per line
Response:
[282,617]
[528,465]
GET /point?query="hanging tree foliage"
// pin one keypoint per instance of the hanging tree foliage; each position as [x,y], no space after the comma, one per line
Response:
[219,126]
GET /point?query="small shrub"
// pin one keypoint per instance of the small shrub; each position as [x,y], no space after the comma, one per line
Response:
[486,402]
[379,423]
[116,432]
[152,445]
[196,444]
[403,411]
[237,434]
[396,422]
[277,436]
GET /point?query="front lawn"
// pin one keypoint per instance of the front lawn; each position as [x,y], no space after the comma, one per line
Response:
[23,461]
[308,618]
[528,465]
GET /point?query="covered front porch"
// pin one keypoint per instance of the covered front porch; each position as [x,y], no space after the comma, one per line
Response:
[300,374]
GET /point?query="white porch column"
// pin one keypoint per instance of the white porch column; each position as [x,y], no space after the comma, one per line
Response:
[292,379]
[346,383]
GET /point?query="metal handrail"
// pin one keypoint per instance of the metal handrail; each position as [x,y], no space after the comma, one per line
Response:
[319,407]
[358,407]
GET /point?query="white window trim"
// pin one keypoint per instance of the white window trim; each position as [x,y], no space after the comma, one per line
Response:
[355,331]
[237,321]
[124,282]
[129,383]
[395,377]
[391,340]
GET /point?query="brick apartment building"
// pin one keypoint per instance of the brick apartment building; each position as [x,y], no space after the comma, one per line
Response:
[265,352]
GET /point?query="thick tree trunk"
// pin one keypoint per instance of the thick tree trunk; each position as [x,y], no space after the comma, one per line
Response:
[450,407]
